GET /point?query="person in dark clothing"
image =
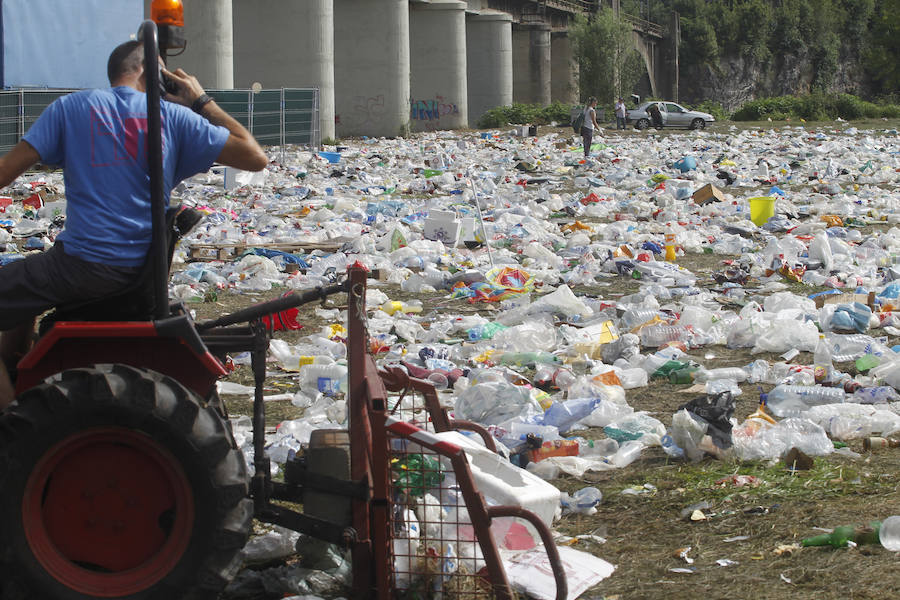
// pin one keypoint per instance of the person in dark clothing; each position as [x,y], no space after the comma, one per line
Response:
[655,115]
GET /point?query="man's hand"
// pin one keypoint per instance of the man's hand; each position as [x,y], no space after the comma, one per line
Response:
[241,149]
[189,89]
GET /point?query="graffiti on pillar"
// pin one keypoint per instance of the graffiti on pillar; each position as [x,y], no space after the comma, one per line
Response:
[366,111]
[431,110]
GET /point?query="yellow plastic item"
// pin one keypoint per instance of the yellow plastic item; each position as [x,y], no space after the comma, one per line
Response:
[670,247]
[392,306]
[762,208]
[833,220]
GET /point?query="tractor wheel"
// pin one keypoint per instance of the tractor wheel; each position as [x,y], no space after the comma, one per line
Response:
[642,124]
[698,124]
[119,483]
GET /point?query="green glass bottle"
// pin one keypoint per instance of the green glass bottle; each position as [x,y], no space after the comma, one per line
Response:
[841,536]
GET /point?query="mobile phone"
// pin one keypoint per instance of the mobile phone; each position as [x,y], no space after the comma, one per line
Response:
[166,84]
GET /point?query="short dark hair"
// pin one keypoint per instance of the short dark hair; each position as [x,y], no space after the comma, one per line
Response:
[126,58]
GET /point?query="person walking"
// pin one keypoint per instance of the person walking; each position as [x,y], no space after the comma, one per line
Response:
[621,114]
[589,125]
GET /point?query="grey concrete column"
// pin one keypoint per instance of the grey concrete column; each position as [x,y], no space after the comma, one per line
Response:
[531,63]
[564,77]
[371,67]
[489,62]
[287,43]
[437,41]
[209,54]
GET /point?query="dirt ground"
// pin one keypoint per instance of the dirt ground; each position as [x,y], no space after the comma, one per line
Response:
[747,544]
[641,515]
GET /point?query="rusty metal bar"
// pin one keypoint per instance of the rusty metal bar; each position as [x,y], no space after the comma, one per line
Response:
[397,379]
[360,432]
[559,574]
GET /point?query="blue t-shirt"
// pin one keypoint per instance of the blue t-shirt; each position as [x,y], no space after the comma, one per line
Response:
[99,138]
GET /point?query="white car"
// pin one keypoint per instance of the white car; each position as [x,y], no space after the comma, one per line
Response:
[673,115]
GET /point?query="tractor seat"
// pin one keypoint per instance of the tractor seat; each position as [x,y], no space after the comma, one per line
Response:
[135,302]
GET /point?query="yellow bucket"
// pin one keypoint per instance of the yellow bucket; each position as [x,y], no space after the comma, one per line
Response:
[762,208]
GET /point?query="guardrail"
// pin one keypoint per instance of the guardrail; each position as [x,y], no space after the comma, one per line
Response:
[574,5]
[645,26]
[275,117]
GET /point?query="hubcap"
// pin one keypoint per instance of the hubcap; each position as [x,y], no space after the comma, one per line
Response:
[108,512]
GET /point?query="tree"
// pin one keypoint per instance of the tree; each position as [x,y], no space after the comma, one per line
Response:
[883,58]
[608,64]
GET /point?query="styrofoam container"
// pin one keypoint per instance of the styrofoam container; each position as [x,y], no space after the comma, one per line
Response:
[441,226]
[504,482]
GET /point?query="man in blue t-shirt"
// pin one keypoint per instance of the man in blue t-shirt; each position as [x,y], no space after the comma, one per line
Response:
[99,139]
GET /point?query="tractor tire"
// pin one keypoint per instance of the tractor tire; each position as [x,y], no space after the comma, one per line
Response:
[698,124]
[641,124]
[118,483]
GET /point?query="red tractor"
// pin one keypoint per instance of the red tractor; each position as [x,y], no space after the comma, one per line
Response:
[120,476]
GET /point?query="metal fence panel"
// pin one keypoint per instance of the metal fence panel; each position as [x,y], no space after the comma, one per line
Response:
[275,116]
[301,116]
[235,102]
[267,116]
[9,120]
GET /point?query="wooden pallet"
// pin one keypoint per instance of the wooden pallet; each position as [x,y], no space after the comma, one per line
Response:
[211,252]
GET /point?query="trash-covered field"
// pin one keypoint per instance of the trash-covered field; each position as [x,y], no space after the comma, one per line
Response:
[533,289]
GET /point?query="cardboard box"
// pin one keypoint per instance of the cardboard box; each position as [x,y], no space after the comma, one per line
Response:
[708,193]
[824,298]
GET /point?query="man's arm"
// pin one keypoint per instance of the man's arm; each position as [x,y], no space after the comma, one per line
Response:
[17,161]
[241,150]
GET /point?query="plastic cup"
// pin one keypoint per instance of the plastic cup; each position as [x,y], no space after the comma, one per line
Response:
[438,380]
[889,534]
[762,208]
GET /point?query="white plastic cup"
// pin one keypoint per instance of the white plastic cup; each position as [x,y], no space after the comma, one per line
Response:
[889,534]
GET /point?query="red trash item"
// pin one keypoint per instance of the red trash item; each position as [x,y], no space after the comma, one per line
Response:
[554,448]
[34,201]
[4,202]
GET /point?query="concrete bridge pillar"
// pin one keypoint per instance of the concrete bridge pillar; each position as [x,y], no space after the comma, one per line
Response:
[564,78]
[439,97]
[489,63]
[371,66]
[531,63]
[290,43]
[209,54]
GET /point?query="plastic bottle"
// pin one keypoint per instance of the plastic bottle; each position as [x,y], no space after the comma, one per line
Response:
[736,373]
[627,454]
[484,332]
[670,245]
[792,400]
[526,358]
[845,348]
[876,443]
[822,361]
[657,335]
[638,316]
[392,306]
[875,395]
[328,379]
